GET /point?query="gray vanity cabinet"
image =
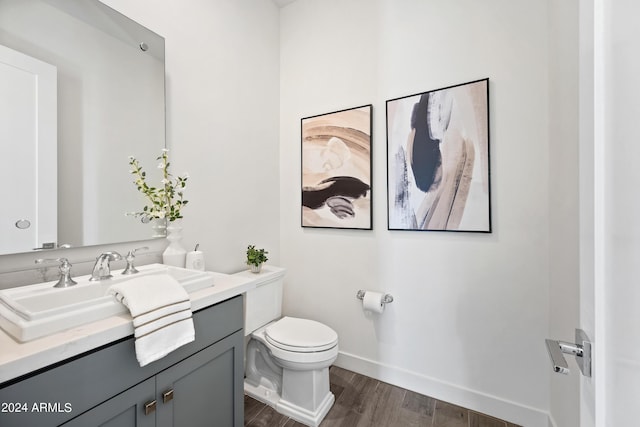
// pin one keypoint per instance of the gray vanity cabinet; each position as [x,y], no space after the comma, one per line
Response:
[200,384]
[186,394]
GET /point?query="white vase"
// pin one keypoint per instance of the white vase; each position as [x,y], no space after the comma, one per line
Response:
[175,253]
[256,268]
[159,227]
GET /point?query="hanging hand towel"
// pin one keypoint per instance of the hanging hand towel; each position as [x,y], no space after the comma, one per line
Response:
[161,312]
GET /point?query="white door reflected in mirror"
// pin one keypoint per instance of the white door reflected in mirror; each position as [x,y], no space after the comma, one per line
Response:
[28,138]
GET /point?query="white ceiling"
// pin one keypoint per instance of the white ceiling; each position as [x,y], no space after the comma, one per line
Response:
[283,3]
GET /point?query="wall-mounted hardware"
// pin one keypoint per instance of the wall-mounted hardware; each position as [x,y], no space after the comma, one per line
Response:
[388,298]
[374,303]
[581,350]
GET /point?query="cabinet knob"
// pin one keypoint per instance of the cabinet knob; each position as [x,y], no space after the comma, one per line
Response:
[167,396]
[149,407]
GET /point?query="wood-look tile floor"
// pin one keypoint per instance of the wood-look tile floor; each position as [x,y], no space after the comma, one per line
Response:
[365,402]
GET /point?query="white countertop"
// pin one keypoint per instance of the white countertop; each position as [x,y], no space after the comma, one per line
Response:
[17,358]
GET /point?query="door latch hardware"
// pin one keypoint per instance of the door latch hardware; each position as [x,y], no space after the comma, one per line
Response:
[581,350]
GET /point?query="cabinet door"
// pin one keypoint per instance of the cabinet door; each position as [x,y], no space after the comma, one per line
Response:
[205,389]
[124,410]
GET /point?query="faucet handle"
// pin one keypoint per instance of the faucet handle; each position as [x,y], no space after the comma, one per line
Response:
[65,271]
[130,269]
[62,261]
[133,252]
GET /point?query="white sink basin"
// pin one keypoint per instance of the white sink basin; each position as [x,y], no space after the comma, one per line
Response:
[30,312]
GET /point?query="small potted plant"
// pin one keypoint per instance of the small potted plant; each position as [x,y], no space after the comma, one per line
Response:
[255,258]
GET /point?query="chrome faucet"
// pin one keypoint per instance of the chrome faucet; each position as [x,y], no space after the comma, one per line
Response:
[102,269]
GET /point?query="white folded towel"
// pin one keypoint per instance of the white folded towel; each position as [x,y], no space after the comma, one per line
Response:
[161,312]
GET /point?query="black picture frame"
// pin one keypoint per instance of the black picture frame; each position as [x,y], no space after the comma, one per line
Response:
[336,169]
[438,160]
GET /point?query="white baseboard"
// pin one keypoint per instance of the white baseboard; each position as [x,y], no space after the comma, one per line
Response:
[481,402]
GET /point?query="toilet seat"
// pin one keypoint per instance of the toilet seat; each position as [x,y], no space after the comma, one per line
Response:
[301,335]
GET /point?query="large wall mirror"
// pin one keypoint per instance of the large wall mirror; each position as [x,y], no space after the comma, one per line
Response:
[82,88]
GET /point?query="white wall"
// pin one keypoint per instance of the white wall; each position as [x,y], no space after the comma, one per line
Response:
[471,310]
[563,201]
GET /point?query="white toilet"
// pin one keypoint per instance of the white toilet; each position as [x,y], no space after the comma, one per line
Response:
[287,359]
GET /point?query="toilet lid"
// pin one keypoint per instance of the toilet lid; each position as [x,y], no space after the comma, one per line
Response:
[301,335]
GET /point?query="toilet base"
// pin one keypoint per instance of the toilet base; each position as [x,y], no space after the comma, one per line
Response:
[291,410]
[303,415]
[262,394]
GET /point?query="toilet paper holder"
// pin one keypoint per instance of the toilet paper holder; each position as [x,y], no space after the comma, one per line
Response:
[388,298]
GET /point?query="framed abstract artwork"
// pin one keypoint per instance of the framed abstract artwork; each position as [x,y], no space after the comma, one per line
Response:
[438,175]
[336,169]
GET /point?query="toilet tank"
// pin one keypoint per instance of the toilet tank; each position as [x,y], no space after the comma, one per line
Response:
[263,303]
